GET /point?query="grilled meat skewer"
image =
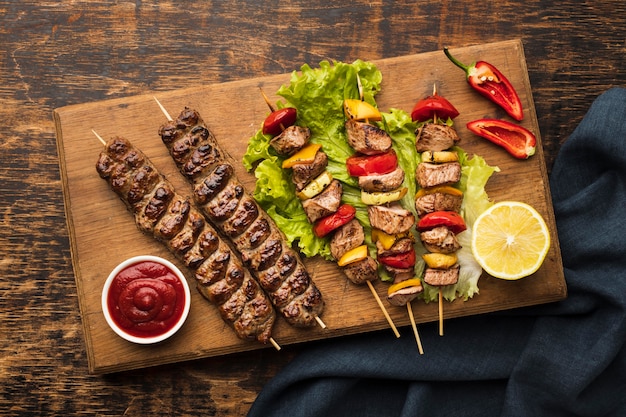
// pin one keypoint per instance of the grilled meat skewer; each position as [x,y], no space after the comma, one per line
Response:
[223,199]
[170,218]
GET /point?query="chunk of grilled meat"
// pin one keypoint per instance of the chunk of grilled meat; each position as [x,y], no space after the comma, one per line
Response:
[168,217]
[440,240]
[366,138]
[392,219]
[325,203]
[403,296]
[382,182]
[435,137]
[291,140]
[431,175]
[346,238]
[438,202]
[441,277]
[227,205]
[302,174]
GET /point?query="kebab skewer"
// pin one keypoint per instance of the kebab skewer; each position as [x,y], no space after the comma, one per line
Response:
[170,218]
[222,198]
[437,202]
[381,182]
[320,196]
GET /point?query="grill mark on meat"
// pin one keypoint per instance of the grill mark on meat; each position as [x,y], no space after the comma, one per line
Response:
[366,138]
[261,247]
[240,221]
[440,240]
[346,238]
[302,174]
[213,184]
[362,270]
[291,140]
[431,175]
[392,219]
[169,218]
[435,137]
[325,203]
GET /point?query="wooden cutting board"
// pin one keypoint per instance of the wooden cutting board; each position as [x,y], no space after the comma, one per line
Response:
[103,233]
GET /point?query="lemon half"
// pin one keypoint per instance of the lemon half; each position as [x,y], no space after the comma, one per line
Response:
[510,240]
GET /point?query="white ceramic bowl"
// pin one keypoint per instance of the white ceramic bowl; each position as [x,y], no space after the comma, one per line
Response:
[154,338]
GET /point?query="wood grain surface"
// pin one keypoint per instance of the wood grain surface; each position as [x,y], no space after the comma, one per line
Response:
[102,232]
[54,54]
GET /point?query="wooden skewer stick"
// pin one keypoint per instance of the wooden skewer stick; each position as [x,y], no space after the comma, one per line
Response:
[272,341]
[382,307]
[414,326]
[440,312]
[167,115]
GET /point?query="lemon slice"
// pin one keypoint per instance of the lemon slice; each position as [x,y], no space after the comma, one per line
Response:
[510,240]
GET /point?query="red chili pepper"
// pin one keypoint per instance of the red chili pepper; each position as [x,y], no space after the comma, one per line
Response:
[327,224]
[432,106]
[400,260]
[489,82]
[451,219]
[517,140]
[359,165]
[278,120]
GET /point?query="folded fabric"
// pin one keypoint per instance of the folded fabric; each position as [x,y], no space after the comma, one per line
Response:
[559,359]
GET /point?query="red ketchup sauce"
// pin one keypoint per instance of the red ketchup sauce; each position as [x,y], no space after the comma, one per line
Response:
[146,299]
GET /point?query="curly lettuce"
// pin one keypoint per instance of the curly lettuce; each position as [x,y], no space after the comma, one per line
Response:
[318,94]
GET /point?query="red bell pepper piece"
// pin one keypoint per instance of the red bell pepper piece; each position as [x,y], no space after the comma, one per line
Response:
[327,224]
[431,107]
[451,219]
[359,165]
[278,120]
[400,260]
[517,140]
[489,82]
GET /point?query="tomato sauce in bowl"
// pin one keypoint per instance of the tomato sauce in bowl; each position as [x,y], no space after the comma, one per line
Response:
[146,299]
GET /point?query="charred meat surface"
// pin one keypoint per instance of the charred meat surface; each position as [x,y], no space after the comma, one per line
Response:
[366,138]
[302,174]
[440,240]
[325,203]
[171,219]
[435,137]
[223,199]
[438,202]
[441,277]
[382,182]
[392,219]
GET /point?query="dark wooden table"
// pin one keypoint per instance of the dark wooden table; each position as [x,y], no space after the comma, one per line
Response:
[55,54]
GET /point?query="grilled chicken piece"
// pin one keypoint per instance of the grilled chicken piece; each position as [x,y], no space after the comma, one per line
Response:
[391,219]
[291,140]
[382,182]
[361,271]
[440,240]
[431,175]
[367,138]
[404,295]
[438,202]
[435,137]
[302,174]
[347,237]
[325,203]
[440,277]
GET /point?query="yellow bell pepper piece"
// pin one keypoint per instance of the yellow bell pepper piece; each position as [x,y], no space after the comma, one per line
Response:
[445,189]
[439,157]
[305,155]
[380,198]
[413,282]
[316,186]
[385,239]
[439,260]
[353,255]
[360,110]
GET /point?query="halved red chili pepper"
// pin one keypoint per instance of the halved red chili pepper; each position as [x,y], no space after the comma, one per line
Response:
[451,219]
[400,260]
[431,106]
[489,82]
[359,165]
[278,120]
[517,140]
[327,224]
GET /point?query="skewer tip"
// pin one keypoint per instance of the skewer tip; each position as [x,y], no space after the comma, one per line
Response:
[382,307]
[167,115]
[274,343]
[99,137]
[320,322]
